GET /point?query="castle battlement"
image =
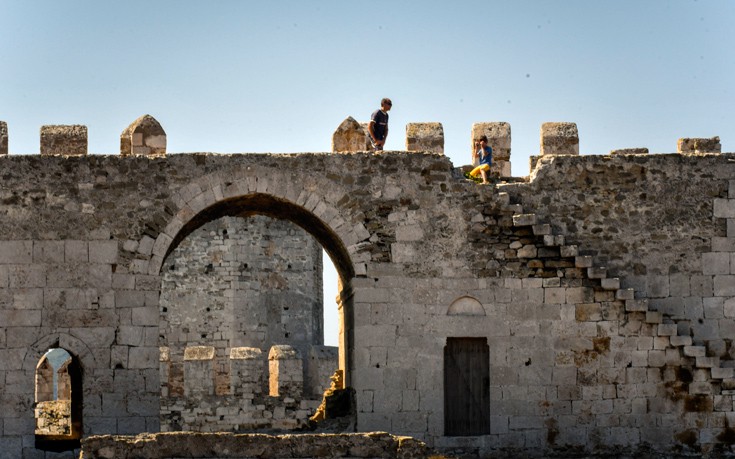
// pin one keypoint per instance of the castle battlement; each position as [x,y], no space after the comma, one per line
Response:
[265,391]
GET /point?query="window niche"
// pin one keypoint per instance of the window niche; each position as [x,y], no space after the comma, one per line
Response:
[58,408]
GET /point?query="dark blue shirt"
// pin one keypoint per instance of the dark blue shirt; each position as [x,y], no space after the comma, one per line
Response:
[487,157]
[380,124]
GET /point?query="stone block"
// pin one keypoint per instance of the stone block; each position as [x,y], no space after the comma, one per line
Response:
[143,137]
[724,208]
[722,373]
[498,138]
[576,295]
[699,145]
[612,283]
[666,330]
[48,251]
[350,136]
[104,252]
[286,371]
[425,137]
[559,139]
[729,308]
[67,140]
[568,251]
[723,244]
[695,351]
[658,286]
[700,388]
[716,263]
[707,362]
[596,273]
[524,220]
[143,357]
[409,233]
[681,340]
[629,151]
[588,312]
[724,285]
[147,315]
[654,317]
[76,251]
[3,138]
[636,305]
[16,252]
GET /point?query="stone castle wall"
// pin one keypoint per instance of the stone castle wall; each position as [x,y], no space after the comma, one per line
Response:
[603,287]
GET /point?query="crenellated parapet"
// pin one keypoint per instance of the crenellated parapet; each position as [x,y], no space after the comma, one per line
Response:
[3,138]
[425,137]
[144,137]
[266,390]
[67,140]
[699,145]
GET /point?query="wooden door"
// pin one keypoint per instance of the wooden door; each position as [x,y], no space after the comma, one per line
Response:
[466,387]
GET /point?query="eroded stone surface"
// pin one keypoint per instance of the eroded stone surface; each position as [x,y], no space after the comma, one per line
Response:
[223,445]
[67,140]
[3,138]
[144,137]
[630,151]
[699,145]
[559,138]
[425,137]
[576,364]
[350,136]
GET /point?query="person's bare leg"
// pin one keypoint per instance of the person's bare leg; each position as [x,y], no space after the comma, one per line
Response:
[484,176]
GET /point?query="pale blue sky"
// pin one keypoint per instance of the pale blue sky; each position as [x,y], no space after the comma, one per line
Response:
[279,76]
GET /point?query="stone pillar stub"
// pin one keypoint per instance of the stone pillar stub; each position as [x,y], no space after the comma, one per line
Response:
[629,151]
[499,139]
[67,140]
[247,370]
[425,137]
[199,370]
[699,145]
[144,137]
[350,136]
[559,139]
[3,138]
[286,369]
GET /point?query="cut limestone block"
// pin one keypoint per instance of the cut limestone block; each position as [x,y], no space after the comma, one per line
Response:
[144,137]
[629,151]
[3,138]
[425,137]
[350,136]
[559,139]
[699,145]
[67,140]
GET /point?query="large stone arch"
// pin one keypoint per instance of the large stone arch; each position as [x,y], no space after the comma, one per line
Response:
[199,204]
[267,192]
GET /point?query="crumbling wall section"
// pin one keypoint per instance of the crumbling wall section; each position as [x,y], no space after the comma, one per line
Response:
[197,445]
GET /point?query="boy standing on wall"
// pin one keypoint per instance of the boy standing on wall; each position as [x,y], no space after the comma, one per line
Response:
[484,153]
[378,125]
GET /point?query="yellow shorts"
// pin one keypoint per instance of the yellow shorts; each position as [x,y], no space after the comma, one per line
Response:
[476,171]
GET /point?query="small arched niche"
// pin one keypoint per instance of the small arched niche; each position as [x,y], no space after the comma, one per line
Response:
[466,306]
[58,408]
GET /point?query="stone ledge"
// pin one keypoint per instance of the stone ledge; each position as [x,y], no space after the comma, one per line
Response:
[228,445]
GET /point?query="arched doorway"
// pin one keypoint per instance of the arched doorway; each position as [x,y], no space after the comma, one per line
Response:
[238,284]
[58,397]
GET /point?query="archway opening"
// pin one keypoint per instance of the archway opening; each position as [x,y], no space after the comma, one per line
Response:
[58,401]
[242,312]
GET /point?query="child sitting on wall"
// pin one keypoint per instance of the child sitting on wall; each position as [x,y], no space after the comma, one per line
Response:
[485,154]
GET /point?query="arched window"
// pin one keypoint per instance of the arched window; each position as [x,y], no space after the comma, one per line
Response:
[58,409]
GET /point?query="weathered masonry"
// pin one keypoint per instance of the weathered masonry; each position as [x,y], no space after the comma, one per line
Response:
[588,308]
